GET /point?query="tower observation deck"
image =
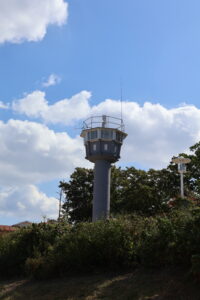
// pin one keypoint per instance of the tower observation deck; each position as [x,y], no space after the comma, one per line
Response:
[103,137]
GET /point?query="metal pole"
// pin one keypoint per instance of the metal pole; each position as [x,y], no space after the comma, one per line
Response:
[60,203]
[182,186]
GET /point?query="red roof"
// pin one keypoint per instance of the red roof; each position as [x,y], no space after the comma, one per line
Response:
[6,228]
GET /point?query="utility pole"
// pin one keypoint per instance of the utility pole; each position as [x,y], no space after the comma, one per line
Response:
[60,193]
[182,185]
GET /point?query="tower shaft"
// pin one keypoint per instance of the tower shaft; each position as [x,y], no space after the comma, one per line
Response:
[101,193]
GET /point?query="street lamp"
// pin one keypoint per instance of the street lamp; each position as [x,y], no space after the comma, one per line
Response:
[181,162]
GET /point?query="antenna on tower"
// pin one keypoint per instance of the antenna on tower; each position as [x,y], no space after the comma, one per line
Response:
[121,98]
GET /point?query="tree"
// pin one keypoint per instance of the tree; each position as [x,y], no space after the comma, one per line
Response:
[131,190]
[146,191]
[116,189]
[194,168]
[78,195]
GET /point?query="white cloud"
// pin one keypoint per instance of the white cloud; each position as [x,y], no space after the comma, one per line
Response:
[27,203]
[32,105]
[52,80]
[155,133]
[4,105]
[65,111]
[32,153]
[28,20]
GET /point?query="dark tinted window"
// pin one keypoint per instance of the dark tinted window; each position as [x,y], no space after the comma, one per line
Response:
[92,135]
[107,134]
[118,136]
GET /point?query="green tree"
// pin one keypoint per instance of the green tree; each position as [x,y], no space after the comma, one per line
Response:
[78,195]
[116,190]
[146,191]
[194,168]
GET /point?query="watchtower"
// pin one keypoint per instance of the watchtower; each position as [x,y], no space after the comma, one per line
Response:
[103,138]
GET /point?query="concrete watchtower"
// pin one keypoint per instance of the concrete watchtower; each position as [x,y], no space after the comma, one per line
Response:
[103,137]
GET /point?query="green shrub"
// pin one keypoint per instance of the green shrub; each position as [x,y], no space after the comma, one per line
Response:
[25,243]
[90,246]
[49,250]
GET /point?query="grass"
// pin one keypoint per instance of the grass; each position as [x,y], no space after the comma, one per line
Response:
[171,284]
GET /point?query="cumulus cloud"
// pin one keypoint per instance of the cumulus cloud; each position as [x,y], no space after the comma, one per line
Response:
[155,133]
[65,111]
[27,202]
[52,80]
[28,20]
[32,105]
[32,153]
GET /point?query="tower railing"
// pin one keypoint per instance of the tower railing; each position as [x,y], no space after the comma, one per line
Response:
[103,121]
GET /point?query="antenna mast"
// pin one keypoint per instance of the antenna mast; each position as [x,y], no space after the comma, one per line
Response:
[121,97]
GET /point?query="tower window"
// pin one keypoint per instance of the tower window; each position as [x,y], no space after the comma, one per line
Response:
[92,135]
[107,134]
[118,137]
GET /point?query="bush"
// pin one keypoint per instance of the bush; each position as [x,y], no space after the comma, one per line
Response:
[91,246]
[25,243]
[49,250]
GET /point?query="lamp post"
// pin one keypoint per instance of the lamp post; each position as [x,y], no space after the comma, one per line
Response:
[181,162]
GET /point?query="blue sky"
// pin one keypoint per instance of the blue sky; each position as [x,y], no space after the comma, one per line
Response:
[152,45]
[88,47]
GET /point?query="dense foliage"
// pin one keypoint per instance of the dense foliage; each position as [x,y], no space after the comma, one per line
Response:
[50,250]
[132,191]
[78,192]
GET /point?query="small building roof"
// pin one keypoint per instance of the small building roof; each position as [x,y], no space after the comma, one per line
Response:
[6,228]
